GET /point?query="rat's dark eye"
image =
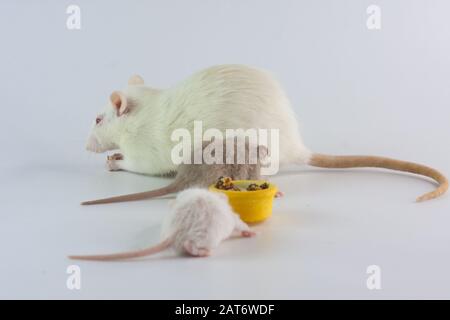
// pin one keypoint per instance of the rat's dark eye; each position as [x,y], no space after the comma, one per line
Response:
[98,120]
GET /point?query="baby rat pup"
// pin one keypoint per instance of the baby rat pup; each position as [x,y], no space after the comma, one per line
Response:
[199,221]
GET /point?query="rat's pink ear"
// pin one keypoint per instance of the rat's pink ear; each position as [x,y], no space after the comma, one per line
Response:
[135,80]
[119,102]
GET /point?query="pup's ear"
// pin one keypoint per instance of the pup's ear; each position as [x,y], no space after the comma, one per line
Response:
[120,103]
[135,80]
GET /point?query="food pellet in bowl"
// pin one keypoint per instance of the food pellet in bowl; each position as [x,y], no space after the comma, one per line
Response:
[226,183]
[253,187]
[264,185]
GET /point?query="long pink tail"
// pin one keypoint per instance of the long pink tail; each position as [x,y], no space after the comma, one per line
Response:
[135,196]
[329,161]
[127,255]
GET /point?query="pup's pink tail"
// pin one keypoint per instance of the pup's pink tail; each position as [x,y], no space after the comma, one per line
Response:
[127,255]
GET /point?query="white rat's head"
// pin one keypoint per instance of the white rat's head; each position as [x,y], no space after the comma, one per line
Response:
[109,124]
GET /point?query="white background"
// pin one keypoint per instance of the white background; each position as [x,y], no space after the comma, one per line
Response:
[382,92]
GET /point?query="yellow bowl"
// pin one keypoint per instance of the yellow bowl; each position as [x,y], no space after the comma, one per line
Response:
[252,206]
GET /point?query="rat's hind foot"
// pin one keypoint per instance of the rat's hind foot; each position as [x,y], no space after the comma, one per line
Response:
[248,233]
[195,251]
[203,252]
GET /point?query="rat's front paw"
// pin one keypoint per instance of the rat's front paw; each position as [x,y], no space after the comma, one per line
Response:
[112,162]
[112,165]
[115,156]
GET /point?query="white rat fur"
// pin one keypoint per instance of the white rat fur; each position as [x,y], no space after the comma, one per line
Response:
[222,97]
[199,221]
[139,121]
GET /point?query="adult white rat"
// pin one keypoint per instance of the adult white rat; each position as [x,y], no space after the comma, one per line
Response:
[139,121]
[199,221]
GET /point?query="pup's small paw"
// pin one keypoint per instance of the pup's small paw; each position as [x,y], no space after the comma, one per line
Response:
[192,249]
[248,233]
[279,194]
[203,252]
